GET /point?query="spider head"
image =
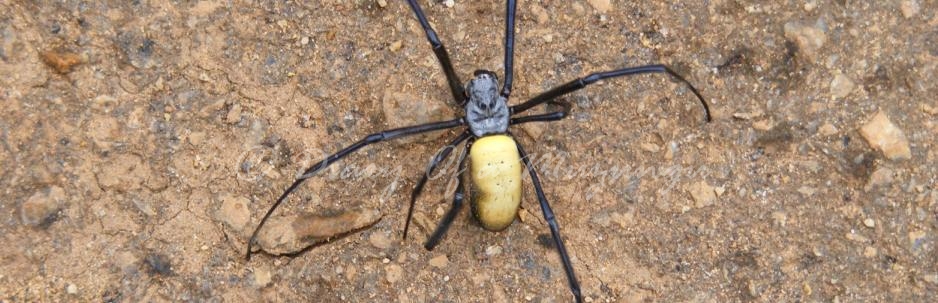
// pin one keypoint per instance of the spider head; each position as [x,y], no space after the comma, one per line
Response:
[486,110]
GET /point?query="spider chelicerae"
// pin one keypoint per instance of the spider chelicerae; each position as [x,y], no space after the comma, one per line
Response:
[495,159]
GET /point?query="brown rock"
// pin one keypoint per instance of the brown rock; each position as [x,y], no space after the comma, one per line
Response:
[809,39]
[262,276]
[234,212]
[42,206]
[702,193]
[910,8]
[883,135]
[439,261]
[602,6]
[880,177]
[842,86]
[61,61]
[393,273]
[827,129]
[234,114]
[290,234]
[380,240]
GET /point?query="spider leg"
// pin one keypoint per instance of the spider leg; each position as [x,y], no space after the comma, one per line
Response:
[552,116]
[592,78]
[511,6]
[440,156]
[554,228]
[455,85]
[454,209]
[370,139]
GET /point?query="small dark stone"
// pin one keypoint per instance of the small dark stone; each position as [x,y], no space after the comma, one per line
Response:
[545,240]
[111,296]
[738,59]
[159,264]
[146,48]
[809,260]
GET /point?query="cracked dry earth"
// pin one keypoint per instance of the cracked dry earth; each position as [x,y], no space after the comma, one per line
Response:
[143,140]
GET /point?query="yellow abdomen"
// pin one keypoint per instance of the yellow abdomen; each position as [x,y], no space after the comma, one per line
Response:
[495,172]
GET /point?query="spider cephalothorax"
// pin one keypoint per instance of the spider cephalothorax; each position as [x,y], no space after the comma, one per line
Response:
[486,110]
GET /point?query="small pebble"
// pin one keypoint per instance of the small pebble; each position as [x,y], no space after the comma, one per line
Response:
[842,86]
[702,193]
[719,190]
[748,116]
[261,276]
[379,240]
[396,46]
[71,289]
[493,250]
[42,206]
[810,5]
[624,220]
[916,240]
[807,191]
[780,218]
[869,222]
[196,138]
[763,125]
[827,129]
[602,6]
[540,13]
[234,114]
[449,3]
[523,215]
[159,264]
[931,110]
[885,136]
[670,150]
[393,273]
[439,261]
[853,236]
[304,41]
[650,147]
[869,252]
[382,3]
[910,8]
[809,39]
[234,211]
[61,61]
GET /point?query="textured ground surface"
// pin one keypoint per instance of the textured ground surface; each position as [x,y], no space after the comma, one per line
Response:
[141,140]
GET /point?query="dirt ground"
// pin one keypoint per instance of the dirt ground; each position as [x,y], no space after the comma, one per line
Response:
[143,140]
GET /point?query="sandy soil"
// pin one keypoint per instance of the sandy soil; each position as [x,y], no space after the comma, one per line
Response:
[142,140]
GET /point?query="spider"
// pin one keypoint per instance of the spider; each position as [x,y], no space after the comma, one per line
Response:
[494,156]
